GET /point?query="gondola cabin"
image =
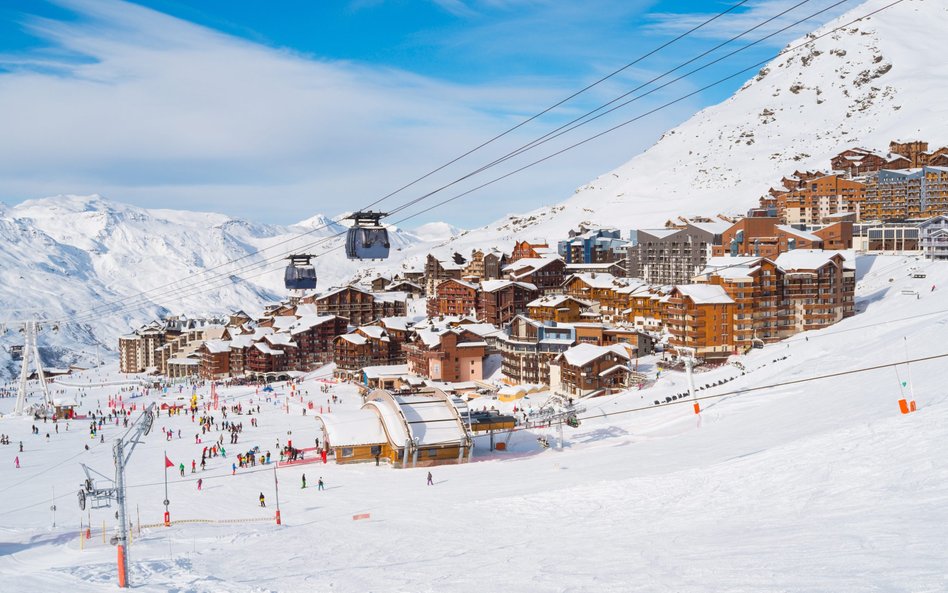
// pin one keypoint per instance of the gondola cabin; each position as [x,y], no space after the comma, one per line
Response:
[300,274]
[367,238]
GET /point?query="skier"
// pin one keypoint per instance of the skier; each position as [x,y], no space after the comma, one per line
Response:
[304,480]
[181,467]
[17,461]
[233,469]
[21,446]
[200,482]
[193,466]
[430,483]
[262,500]
[319,485]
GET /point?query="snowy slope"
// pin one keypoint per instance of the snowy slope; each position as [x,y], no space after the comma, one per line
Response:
[817,486]
[876,81]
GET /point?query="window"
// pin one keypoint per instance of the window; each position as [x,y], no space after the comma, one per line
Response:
[376,449]
[347,451]
[432,452]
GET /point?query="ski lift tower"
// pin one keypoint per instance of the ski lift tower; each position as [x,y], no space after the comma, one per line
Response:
[687,356]
[103,496]
[30,329]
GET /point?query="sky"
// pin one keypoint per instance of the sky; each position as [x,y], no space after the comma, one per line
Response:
[277,111]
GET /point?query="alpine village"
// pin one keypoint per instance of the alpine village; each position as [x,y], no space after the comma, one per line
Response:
[567,319]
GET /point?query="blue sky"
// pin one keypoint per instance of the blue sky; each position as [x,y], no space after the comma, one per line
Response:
[276,111]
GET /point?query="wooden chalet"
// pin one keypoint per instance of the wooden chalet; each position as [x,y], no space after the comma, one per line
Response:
[499,301]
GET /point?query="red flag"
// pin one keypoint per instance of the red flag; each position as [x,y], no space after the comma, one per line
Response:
[168,462]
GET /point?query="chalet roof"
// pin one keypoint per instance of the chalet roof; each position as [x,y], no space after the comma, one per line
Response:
[241,341]
[705,294]
[613,369]
[217,346]
[463,283]
[339,289]
[528,265]
[266,349]
[806,259]
[495,285]
[802,234]
[304,309]
[484,330]
[374,331]
[596,280]
[280,340]
[398,283]
[284,321]
[356,339]
[308,322]
[583,354]
[557,300]
[395,323]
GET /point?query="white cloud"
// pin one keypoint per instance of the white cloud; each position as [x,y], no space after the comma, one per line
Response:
[150,109]
[750,15]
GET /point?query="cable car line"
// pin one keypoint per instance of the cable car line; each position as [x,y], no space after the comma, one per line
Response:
[545,158]
[483,144]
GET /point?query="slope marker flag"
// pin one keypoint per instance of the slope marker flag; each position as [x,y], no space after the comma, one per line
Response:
[168,462]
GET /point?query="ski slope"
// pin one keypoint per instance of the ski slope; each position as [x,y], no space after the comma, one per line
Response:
[813,486]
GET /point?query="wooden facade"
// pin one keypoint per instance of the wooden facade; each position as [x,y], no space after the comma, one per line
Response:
[499,301]
[453,297]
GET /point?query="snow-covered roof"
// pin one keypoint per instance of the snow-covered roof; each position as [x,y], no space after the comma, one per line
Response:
[583,354]
[716,227]
[356,339]
[805,259]
[430,419]
[557,300]
[392,421]
[373,331]
[494,285]
[596,280]
[395,323]
[353,427]
[386,370]
[482,329]
[266,349]
[659,233]
[705,294]
[802,234]
[241,341]
[463,283]
[217,346]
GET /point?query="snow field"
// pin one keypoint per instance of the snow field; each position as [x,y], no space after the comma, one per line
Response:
[816,486]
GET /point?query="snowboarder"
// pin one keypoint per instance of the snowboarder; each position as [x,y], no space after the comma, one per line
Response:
[430,482]
[319,485]
[263,502]
[304,480]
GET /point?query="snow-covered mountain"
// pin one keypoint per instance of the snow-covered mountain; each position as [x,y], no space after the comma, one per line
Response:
[872,82]
[108,267]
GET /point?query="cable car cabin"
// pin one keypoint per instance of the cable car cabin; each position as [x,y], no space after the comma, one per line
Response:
[367,238]
[300,273]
